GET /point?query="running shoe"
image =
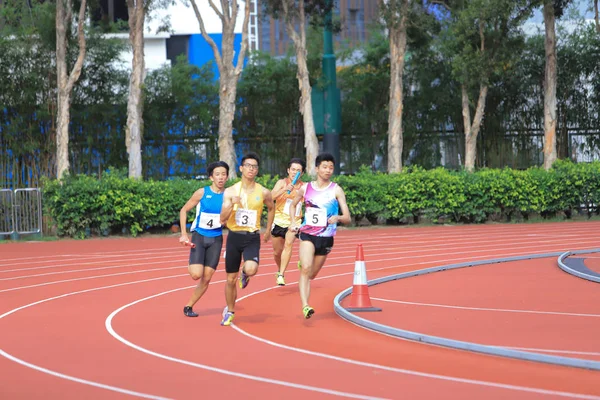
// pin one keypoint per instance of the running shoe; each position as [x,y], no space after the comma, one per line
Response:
[227,317]
[308,311]
[244,279]
[187,310]
[280,280]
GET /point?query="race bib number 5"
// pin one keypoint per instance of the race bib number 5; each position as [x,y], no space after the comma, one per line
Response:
[316,216]
[210,221]
[245,217]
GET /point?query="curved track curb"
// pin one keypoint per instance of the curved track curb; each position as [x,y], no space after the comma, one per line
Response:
[457,344]
[580,274]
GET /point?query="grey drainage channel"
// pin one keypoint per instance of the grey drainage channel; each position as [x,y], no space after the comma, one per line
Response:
[457,344]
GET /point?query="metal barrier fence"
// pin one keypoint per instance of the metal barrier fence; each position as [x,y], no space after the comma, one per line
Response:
[20,211]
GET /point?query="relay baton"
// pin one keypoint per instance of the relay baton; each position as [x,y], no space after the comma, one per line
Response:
[295,180]
[235,206]
[188,243]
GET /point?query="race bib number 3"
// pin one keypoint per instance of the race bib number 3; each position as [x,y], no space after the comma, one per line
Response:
[286,209]
[316,216]
[245,217]
[210,221]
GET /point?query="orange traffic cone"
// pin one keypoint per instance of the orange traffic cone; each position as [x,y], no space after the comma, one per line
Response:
[360,300]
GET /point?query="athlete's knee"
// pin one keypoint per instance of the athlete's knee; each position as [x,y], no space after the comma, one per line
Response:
[231,279]
[195,272]
[250,268]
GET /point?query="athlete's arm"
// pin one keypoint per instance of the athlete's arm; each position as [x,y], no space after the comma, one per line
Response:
[268,199]
[227,205]
[191,203]
[279,189]
[297,199]
[341,198]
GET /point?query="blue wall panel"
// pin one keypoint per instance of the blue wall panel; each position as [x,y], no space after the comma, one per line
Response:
[200,51]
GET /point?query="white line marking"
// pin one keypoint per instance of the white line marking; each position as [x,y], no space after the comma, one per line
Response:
[109,328]
[69,377]
[79,380]
[108,324]
[486,309]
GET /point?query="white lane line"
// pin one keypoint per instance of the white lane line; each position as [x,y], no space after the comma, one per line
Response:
[110,329]
[79,380]
[70,377]
[436,261]
[399,370]
[108,324]
[412,303]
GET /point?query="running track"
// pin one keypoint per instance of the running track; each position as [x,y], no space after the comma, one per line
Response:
[102,319]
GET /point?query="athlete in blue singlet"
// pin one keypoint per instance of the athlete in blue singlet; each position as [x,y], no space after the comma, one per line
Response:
[323,200]
[207,232]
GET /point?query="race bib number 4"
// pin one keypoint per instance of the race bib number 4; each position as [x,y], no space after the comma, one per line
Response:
[316,216]
[210,221]
[286,209]
[245,217]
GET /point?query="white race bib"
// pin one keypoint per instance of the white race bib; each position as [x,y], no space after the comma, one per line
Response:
[316,216]
[210,221]
[244,217]
[286,208]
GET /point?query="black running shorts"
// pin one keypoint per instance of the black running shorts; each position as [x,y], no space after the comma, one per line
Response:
[207,251]
[323,244]
[240,244]
[278,231]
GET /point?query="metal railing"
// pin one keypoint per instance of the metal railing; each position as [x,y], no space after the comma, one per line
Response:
[20,211]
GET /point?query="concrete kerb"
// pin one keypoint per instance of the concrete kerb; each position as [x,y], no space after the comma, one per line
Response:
[562,265]
[457,344]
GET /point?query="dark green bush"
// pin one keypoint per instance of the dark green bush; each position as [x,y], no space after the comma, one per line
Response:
[82,205]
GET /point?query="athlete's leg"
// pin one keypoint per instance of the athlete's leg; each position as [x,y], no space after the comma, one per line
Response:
[202,285]
[318,262]
[290,237]
[277,248]
[307,255]
[251,259]
[231,291]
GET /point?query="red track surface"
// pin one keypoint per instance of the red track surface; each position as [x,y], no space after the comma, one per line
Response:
[109,315]
[516,304]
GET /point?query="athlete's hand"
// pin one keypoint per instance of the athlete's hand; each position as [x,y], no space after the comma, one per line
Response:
[236,200]
[289,188]
[293,227]
[267,236]
[333,219]
[183,239]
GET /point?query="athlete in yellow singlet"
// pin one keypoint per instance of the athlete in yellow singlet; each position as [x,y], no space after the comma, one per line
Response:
[241,213]
[283,193]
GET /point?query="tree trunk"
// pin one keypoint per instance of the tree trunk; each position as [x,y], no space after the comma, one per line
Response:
[596,18]
[472,128]
[229,72]
[311,142]
[135,103]
[64,15]
[396,102]
[227,94]
[550,86]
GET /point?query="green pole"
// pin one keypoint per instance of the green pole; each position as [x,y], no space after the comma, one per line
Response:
[331,95]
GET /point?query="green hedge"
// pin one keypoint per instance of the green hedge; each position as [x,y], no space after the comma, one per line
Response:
[82,205]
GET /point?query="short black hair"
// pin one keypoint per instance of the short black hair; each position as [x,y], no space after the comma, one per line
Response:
[297,161]
[217,164]
[324,157]
[251,156]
